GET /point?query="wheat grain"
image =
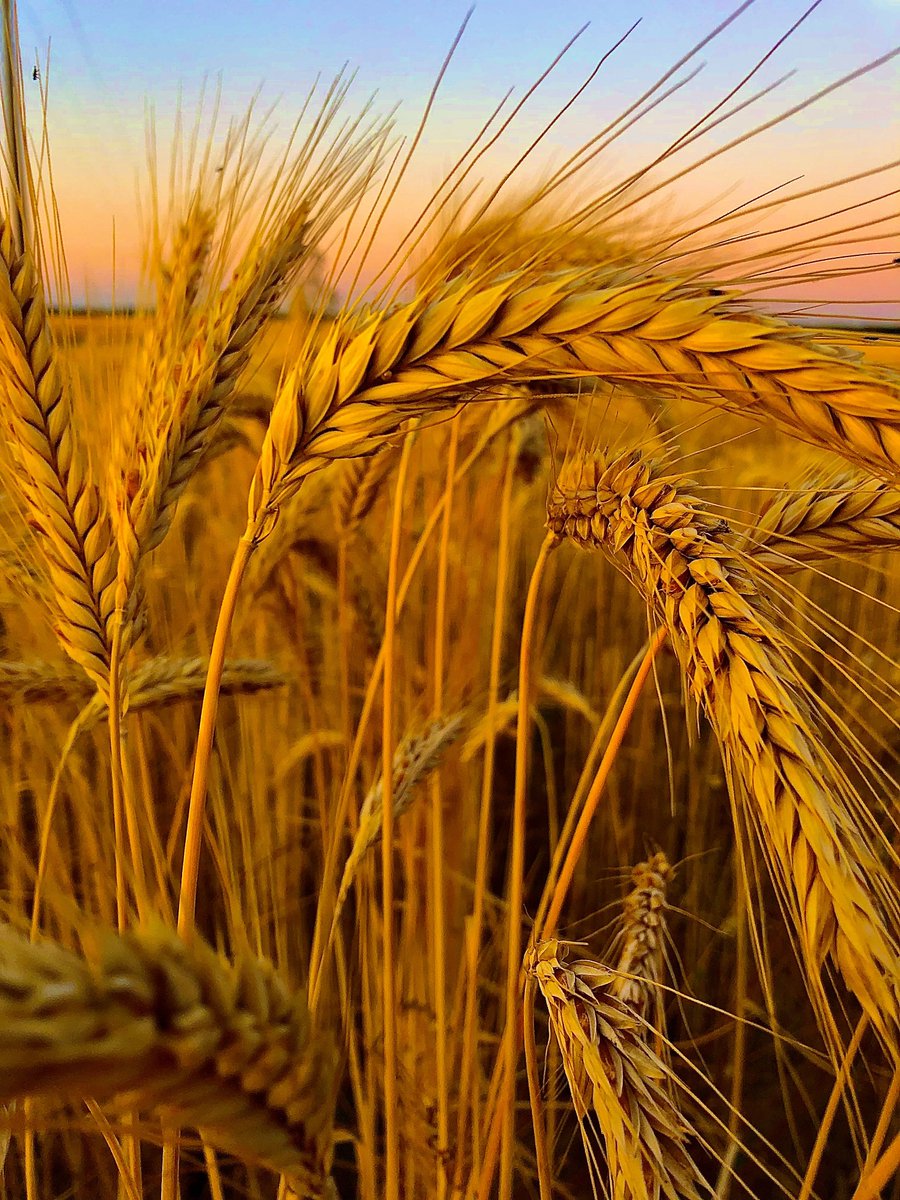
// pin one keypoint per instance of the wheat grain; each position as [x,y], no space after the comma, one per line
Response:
[227,1048]
[739,671]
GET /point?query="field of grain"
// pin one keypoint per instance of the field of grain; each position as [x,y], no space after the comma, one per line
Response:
[449,741]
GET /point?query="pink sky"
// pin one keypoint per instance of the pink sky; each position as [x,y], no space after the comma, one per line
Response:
[103,73]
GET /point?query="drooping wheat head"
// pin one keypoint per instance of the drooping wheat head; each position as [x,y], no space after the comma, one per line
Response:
[616,1080]
[227,1048]
[828,871]
[373,371]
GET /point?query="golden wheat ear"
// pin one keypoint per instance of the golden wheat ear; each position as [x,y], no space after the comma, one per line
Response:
[641,938]
[837,514]
[841,898]
[227,1047]
[614,1075]
[51,472]
[372,372]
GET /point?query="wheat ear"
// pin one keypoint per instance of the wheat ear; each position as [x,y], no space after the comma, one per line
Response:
[613,1074]
[373,372]
[641,938]
[153,684]
[739,671]
[359,488]
[846,513]
[207,376]
[415,757]
[52,473]
[227,1048]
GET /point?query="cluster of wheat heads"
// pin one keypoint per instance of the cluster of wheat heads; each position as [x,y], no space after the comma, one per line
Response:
[833,877]
[330,822]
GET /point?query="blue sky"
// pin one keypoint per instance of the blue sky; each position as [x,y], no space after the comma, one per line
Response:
[110,60]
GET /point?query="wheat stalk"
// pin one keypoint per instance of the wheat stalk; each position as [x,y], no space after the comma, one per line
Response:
[739,671]
[613,1074]
[62,503]
[373,372]
[227,1048]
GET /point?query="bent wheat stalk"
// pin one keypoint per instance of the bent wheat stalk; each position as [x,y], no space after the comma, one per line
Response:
[227,1048]
[839,894]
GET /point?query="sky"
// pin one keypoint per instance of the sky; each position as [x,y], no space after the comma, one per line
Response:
[112,63]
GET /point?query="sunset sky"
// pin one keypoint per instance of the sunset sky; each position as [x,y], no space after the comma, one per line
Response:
[111,61]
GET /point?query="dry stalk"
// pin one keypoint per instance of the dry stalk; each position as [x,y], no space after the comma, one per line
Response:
[372,372]
[615,1078]
[226,1048]
[62,502]
[738,669]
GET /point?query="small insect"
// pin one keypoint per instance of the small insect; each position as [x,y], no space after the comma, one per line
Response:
[36,74]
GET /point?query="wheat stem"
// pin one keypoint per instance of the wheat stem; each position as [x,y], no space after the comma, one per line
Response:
[515,885]
[193,837]
[579,837]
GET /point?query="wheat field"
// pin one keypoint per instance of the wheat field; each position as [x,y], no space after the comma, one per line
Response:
[450,736]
